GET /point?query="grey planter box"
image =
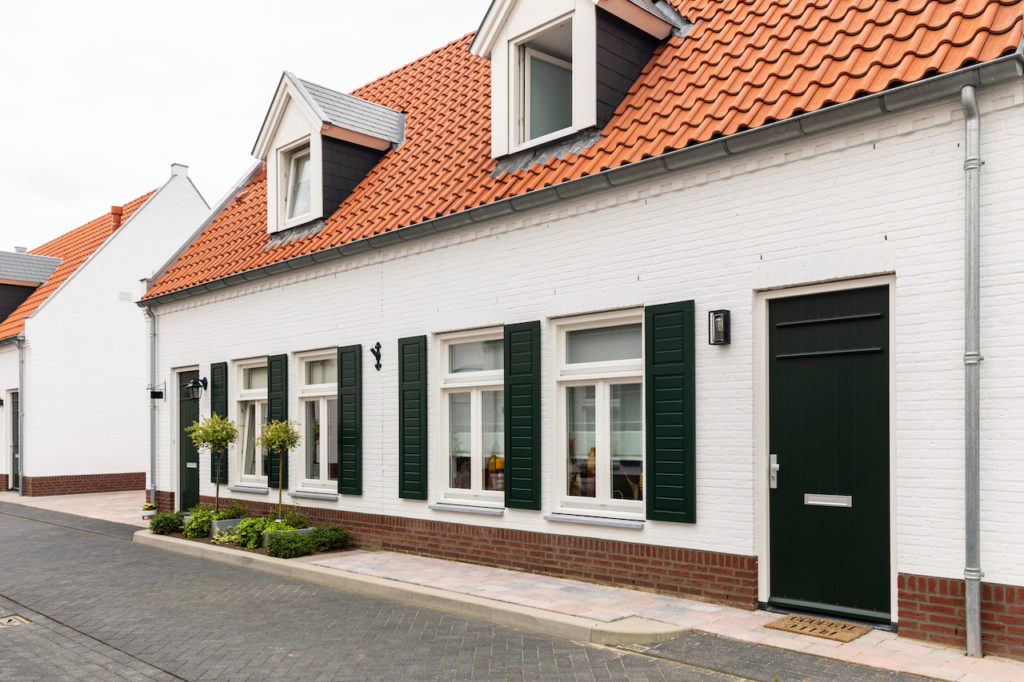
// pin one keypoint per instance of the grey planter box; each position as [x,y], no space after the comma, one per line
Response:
[223,524]
[300,531]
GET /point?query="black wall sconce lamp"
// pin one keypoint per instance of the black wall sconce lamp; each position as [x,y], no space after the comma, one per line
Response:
[375,352]
[1,402]
[718,327]
[194,388]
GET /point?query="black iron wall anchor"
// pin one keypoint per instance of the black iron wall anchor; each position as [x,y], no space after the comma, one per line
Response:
[376,354]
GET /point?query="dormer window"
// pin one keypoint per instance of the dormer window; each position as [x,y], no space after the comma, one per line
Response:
[300,184]
[545,67]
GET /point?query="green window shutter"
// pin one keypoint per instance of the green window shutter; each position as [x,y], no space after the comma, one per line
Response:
[219,406]
[522,415]
[669,394]
[277,408]
[350,420]
[412,418]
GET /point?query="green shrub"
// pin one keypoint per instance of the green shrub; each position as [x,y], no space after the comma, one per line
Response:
[288,545]
[226,537]
[236,510]
[294,517]
[167,523]
[250,532]
[327,538]
[199,525]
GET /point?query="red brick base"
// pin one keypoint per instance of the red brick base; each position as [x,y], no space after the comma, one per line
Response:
[933,609]
[712,576]
[35,486]
[164,501]
[3,482]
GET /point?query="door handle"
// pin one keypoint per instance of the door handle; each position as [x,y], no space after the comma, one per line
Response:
[773,471]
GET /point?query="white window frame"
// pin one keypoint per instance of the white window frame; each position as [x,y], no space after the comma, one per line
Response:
[602,375]
[476,383]
[523,77]
[287,157]
[321,393]
[243,396]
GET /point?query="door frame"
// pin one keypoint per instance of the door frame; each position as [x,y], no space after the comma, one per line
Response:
[176,430]
[760,331]
[12,417]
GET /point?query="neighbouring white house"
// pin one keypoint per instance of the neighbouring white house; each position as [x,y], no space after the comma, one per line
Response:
[74,346]
[721,299]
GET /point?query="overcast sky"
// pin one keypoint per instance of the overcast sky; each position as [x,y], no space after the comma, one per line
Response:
[101,97]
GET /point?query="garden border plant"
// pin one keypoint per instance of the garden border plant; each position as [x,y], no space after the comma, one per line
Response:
[213,434]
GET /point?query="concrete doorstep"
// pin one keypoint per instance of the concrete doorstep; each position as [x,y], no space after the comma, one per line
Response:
[631,630]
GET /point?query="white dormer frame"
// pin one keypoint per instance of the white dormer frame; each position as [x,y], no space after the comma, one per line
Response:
[509,24]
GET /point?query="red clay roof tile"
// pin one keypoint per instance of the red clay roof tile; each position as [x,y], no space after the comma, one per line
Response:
[745,63]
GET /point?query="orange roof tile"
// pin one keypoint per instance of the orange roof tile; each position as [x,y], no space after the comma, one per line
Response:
[73,248]
[746,63]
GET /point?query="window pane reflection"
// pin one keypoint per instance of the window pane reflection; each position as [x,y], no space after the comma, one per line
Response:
[580,427]
[492,446]
[626,442]
[459,416]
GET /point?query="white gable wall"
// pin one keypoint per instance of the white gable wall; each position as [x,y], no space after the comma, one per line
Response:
[879,197]
[86,404]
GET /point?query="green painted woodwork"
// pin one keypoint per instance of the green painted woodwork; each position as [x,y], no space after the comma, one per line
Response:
[277,408]
[350,420]
[670,416]
[15,482]
[522,415]
[412,418]
[188,455]
[219,406]
[829,427]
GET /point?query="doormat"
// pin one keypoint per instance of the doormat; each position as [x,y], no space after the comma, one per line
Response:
[819,627]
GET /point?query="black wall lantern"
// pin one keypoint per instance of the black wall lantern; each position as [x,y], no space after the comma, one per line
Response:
[718,327]
[194,388]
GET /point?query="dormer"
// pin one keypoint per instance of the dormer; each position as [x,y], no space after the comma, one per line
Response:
[559,67]
[318,145]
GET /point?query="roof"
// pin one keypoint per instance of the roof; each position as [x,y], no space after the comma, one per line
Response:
[353,113]
[745,64]
[73,248]
[24,267]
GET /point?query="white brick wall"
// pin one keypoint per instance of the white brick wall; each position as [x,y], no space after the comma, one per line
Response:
[879,197]
[9,377]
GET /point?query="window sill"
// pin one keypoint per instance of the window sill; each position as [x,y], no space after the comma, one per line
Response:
[315,495]
[595,521]
[251,489]
[468,509]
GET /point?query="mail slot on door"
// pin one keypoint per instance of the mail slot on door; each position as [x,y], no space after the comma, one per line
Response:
[192,465]
[816,500]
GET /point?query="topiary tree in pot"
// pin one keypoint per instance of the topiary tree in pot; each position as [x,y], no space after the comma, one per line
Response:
[213,434]
[280,437]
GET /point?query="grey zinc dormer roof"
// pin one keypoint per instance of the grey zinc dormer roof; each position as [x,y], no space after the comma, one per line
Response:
[351,112]
[24,267]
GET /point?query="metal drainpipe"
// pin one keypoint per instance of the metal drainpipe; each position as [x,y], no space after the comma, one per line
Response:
[152,405]
[972,361]
[20,343]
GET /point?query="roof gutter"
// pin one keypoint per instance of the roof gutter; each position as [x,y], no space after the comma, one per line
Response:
[890,101]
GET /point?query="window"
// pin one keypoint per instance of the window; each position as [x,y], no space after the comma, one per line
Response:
[298,198]
[252,415]
[473,415]
[318,399]
[601,403]
[545,83]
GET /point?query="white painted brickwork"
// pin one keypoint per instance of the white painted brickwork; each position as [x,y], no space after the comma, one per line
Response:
[875,198]
[9,377]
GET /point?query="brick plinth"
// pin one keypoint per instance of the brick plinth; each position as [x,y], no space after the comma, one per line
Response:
[35,486]
[3,481]
[933,609]
[729,579]
[164,501]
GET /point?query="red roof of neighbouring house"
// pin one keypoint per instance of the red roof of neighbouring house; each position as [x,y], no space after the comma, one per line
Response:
[73,248]
[746,63]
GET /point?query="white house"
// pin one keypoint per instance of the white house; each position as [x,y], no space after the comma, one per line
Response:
[74,347]
[683,296]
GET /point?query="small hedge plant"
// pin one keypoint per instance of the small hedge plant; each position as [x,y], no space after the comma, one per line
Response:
[167,523]
[236,510]
[250,532]
[199,525]
[327,538]
[288,545]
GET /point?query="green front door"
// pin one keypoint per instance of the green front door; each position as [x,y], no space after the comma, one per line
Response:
[188,455]
[15,482]
[829,433]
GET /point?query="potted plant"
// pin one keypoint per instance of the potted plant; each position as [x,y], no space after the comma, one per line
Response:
[280,438]
[148,510]
[213,434]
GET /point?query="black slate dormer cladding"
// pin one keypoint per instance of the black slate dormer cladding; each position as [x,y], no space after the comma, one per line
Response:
[345,166]
[622,53]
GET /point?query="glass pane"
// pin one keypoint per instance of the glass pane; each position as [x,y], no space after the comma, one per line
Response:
[312,438]
[332,440]
[476,356]
[254,377]
[321,372]
[550,97]
[249,458]
[261,410]
[627,442]
[492,439]
[459,430]
[604,343]
[579,421]
[299,197]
